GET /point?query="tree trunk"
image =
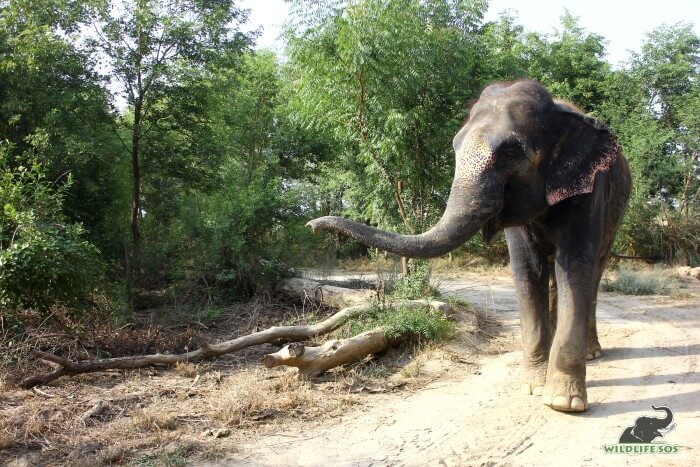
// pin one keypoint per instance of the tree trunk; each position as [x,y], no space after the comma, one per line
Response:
[136,193]
[138,99]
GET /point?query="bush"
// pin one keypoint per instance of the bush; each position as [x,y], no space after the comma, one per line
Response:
[235,241]
[43,258]
[639,282]
[406,322]
[655,229]
[416,284]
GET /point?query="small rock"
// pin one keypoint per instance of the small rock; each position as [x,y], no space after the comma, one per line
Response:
[683,271]
[695,272]
[219,433]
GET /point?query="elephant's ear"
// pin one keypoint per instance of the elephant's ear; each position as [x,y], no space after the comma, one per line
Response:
[586,148]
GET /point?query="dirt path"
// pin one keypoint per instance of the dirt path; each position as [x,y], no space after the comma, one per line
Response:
[651,347]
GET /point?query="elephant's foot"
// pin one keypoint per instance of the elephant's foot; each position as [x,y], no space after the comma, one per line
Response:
[534,377]
[564,392]
[593,349]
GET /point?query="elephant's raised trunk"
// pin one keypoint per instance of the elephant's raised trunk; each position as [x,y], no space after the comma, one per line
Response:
[466,212]
[669,415]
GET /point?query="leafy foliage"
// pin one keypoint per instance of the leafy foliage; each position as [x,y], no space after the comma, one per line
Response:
[378,78]
[415,285]
[639,282]
[153,124]
[43,258]
[407,323]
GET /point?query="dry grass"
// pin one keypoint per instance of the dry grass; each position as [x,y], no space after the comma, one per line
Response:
[153,419]
[256,396]
[414,369]
[186,369]
[157,417]
[641,279]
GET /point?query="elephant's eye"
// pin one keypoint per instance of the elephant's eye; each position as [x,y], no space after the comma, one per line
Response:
[511,149]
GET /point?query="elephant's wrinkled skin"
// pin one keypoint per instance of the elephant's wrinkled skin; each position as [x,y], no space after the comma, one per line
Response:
[556,181]
[646,429]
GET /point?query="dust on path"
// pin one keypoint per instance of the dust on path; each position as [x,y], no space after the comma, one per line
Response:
[651,347]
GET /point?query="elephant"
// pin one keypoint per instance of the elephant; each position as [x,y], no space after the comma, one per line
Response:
[555,180]
[646,429]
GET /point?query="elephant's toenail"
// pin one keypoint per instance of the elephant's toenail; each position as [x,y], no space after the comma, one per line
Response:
[577,404]
[560,402]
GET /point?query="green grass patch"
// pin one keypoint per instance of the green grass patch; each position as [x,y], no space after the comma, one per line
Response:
[640,282]
[416,285]
[417,324]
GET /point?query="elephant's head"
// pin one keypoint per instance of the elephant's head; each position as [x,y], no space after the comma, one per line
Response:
[648,429]
[518,153]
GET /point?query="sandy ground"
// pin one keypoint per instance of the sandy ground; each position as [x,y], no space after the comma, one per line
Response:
[651,347]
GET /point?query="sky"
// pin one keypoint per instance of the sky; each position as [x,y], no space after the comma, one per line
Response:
[623,23]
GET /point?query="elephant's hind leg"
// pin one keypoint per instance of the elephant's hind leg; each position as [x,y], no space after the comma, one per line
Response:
[594,349]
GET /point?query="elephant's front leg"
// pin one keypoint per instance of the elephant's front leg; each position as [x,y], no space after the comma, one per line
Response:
[565,388]
[528,260]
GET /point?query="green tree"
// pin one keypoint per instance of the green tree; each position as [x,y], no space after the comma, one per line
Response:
[153,47]
[55,110]
[653,106]
[44,258]
[390,80]
[570,62]
[502,49]
[236,235]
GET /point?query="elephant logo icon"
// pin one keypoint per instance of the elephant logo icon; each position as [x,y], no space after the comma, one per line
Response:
[647,429]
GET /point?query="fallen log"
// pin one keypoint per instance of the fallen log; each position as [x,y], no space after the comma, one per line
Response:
[316,360]
[313,361]
[295,333]
[325,294]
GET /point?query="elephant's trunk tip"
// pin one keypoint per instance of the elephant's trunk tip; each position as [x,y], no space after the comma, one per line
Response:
[314,225]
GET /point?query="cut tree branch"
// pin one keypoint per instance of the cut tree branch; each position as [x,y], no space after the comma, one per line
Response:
[311,361]
[293,333]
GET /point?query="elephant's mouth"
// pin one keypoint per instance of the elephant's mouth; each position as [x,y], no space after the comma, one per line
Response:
[490,229]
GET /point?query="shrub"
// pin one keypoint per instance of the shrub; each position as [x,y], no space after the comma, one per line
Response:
[231,243]
[423,324]
[639,282]
[416,284]
[655,229]
[406,322]
[43,258]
